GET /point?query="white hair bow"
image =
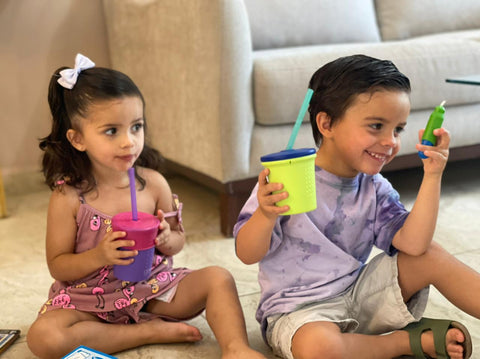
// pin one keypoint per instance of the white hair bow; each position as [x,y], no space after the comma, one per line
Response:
[68,77]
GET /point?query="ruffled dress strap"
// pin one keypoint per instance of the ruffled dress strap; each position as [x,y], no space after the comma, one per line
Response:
[177,211]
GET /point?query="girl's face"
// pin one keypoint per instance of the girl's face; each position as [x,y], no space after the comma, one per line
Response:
[111,134]
[367,136]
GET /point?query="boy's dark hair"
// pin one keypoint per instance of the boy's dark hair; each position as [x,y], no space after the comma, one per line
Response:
[337,83]
[61,161]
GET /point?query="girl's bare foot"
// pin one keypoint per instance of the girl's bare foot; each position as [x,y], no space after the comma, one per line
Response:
[454,340]
[171,332]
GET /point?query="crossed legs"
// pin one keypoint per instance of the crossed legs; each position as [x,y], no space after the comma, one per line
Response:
[58,332]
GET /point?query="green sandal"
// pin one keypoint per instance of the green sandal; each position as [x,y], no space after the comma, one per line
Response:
[439,328]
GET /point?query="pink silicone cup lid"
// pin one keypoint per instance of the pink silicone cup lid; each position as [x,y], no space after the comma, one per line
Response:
[143,231]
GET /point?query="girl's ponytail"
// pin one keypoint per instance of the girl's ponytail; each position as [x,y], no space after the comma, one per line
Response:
[59,160]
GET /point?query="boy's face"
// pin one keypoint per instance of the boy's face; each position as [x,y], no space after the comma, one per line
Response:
[367,136]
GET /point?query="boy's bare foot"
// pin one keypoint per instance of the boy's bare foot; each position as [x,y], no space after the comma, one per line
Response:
[171,332]
[454,339]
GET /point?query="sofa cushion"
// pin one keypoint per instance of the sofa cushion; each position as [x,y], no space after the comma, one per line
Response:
[281,77]
[280,23]
[402,19]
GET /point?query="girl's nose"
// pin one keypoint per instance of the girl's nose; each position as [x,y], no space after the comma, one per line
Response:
[127,140]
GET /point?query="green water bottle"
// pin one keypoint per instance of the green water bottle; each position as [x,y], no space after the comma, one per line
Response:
[435,121]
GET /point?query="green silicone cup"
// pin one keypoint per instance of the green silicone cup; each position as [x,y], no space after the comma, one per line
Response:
[298,178]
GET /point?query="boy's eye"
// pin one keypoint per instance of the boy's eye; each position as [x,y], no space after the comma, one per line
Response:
[111,131]
[399,130]
[376,126]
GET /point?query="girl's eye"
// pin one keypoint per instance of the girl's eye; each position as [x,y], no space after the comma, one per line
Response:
[111,131]
[137,127]
[376,126]
[399,130]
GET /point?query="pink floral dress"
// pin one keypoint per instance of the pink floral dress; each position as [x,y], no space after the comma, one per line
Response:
[101,293]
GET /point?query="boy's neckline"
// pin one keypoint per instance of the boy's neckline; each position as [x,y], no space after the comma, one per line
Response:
[335,179]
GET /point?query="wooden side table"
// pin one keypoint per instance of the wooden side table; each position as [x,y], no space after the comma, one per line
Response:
[3,202]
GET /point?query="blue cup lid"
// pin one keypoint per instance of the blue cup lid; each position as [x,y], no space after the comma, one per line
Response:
[287,154]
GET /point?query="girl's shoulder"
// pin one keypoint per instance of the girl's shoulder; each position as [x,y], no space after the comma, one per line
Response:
[155,183]
[158,188]
[152,178]
[66,197]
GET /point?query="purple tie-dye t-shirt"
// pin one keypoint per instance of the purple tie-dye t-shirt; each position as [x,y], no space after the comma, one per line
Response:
[318,255]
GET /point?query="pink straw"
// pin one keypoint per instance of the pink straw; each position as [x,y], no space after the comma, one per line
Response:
[133,194]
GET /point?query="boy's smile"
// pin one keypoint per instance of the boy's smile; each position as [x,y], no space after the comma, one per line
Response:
[367,136]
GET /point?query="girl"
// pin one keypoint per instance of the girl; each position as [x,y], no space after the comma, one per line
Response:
[97,135]
[320,299]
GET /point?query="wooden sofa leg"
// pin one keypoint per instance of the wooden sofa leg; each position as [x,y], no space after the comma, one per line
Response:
[230,206]
[232,199]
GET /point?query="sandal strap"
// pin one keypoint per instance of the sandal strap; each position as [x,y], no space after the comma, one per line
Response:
[439,329]
[415,331]
[439,335]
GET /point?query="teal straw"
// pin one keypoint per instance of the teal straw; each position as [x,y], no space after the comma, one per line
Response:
[298,123]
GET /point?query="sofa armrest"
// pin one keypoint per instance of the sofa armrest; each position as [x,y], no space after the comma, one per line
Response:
[192,60]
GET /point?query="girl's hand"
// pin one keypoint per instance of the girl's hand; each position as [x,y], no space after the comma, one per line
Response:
[109,253]
[164,231]
[437,155]
[267,199]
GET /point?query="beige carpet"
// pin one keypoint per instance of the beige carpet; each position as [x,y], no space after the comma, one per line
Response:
[25,278]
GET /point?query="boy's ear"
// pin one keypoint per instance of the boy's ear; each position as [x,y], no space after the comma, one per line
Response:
[324,124]
[76,139]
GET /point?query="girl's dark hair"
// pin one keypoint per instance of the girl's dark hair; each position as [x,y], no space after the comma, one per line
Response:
[61,161]
[337,84]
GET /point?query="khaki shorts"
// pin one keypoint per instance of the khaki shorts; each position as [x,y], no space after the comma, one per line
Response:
[373,305]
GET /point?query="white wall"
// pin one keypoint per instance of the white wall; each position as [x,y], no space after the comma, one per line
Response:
[37,37]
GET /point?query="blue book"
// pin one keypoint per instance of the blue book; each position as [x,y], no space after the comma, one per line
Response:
[83,352]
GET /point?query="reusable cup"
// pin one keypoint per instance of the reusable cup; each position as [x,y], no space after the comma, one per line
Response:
[296,170]
[143,231]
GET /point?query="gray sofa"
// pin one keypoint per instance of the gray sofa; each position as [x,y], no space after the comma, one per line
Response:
[224,79]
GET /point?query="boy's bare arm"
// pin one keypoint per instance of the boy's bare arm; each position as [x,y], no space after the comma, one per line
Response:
[253,239]
[415,236]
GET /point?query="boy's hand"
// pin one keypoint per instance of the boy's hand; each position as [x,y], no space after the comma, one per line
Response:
[438,154]
[108,249]
[266,198]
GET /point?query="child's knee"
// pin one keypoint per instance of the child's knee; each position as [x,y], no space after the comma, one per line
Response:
[44,341]
[434,255]
[315,341]
[319,349]
[220,276]
[436,249]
